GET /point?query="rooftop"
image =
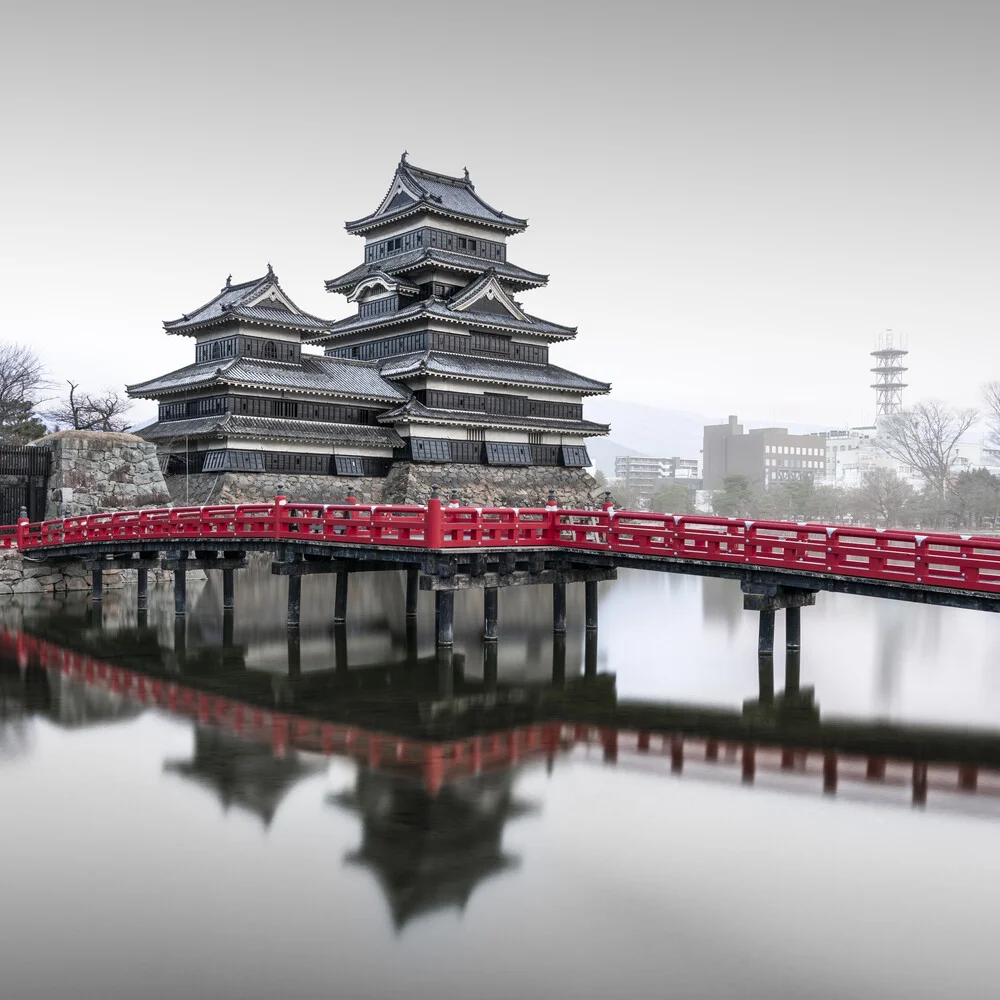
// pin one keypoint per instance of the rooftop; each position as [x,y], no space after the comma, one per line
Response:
[411,260]
[226,425]
[260,301]
[464,366]
[414,190]
[359,379]
[439,309]
[414,411]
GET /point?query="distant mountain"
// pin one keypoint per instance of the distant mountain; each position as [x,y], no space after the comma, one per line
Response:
[638,429]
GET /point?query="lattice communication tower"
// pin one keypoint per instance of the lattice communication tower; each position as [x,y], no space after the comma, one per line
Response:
[888,371]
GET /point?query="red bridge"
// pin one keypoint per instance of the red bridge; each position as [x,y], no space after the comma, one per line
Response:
[448,547]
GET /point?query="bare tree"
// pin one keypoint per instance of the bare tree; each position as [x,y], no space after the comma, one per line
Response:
[926,437]
[883,497]
[22,380]
[991,395]
[90,411]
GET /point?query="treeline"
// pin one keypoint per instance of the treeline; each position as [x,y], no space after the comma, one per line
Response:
[970,501]
[29,406]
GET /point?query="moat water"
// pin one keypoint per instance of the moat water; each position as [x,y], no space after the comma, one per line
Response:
[147,855]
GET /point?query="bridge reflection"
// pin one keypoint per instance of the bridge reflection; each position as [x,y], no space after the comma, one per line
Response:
[438,742]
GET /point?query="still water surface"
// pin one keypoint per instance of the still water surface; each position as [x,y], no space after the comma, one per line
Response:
[146,856]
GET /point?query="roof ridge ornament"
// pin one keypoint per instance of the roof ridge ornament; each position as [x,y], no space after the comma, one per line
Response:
[270,272]
[402,159]
[229,281]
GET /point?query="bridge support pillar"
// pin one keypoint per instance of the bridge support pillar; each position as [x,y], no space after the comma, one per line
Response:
[228,628]
[491,603]
[590,655]
[445,614]
[590,599]
[412,590]
[228,589]
[142,588]
[559,607]
[340,598]
[294,601]
[180,591]
[765,678]
[559,659]
[793,627]
[97,585]
[490,666]
[765,634]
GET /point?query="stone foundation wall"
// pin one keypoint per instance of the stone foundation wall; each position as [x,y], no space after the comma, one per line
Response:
[492,486]
[258,487]
[94,472]
[407,482]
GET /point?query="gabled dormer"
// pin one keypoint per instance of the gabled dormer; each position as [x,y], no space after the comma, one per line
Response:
[487,295]
[378,293]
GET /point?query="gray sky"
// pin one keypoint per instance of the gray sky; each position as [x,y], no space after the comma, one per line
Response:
[732,199]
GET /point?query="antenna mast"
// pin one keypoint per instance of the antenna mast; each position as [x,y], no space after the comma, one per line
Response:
[888,371]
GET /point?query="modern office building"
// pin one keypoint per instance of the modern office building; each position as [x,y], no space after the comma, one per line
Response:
[764,455]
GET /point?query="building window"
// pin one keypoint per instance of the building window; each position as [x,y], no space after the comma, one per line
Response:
[348,465]
[505,453]
[575,456]
[430,449]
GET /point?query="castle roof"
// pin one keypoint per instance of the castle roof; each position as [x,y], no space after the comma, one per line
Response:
[413,411]
[447,260]
[234,425]
[415,190]
[437,308]
[313,374]
[470,367]
[260,301]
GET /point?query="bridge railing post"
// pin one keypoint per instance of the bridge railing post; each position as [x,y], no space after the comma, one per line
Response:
[434,522]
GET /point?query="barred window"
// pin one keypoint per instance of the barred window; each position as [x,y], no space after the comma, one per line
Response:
[575,456]
[430,449]
[504,453]
[348,465]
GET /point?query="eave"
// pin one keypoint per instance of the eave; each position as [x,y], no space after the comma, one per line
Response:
[367,224]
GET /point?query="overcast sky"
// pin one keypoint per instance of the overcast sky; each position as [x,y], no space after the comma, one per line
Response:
[732,199]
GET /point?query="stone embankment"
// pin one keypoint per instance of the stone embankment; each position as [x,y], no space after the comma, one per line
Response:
[92,472]
[407,482]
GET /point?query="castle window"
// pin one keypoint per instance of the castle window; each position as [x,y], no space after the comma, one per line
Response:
[270,349]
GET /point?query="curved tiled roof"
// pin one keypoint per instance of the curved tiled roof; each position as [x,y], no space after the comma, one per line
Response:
[413,410]
[420,190]
[359,379]
[439,309]
[233,302]
[448,259]
[224,425]
[464,366]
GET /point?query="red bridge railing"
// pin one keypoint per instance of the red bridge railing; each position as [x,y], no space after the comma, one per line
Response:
[965,562]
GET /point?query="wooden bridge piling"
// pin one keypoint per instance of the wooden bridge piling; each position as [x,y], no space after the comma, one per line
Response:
[142,588]
[412,590]
[445,615]
[180,590]
[559,659]
[491,602]
[228,589]
[793,628]
[97,585]
[590,655]
[765,633]
[590,601]
[559,607]
[490,666]
[294,601]
[340,598]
